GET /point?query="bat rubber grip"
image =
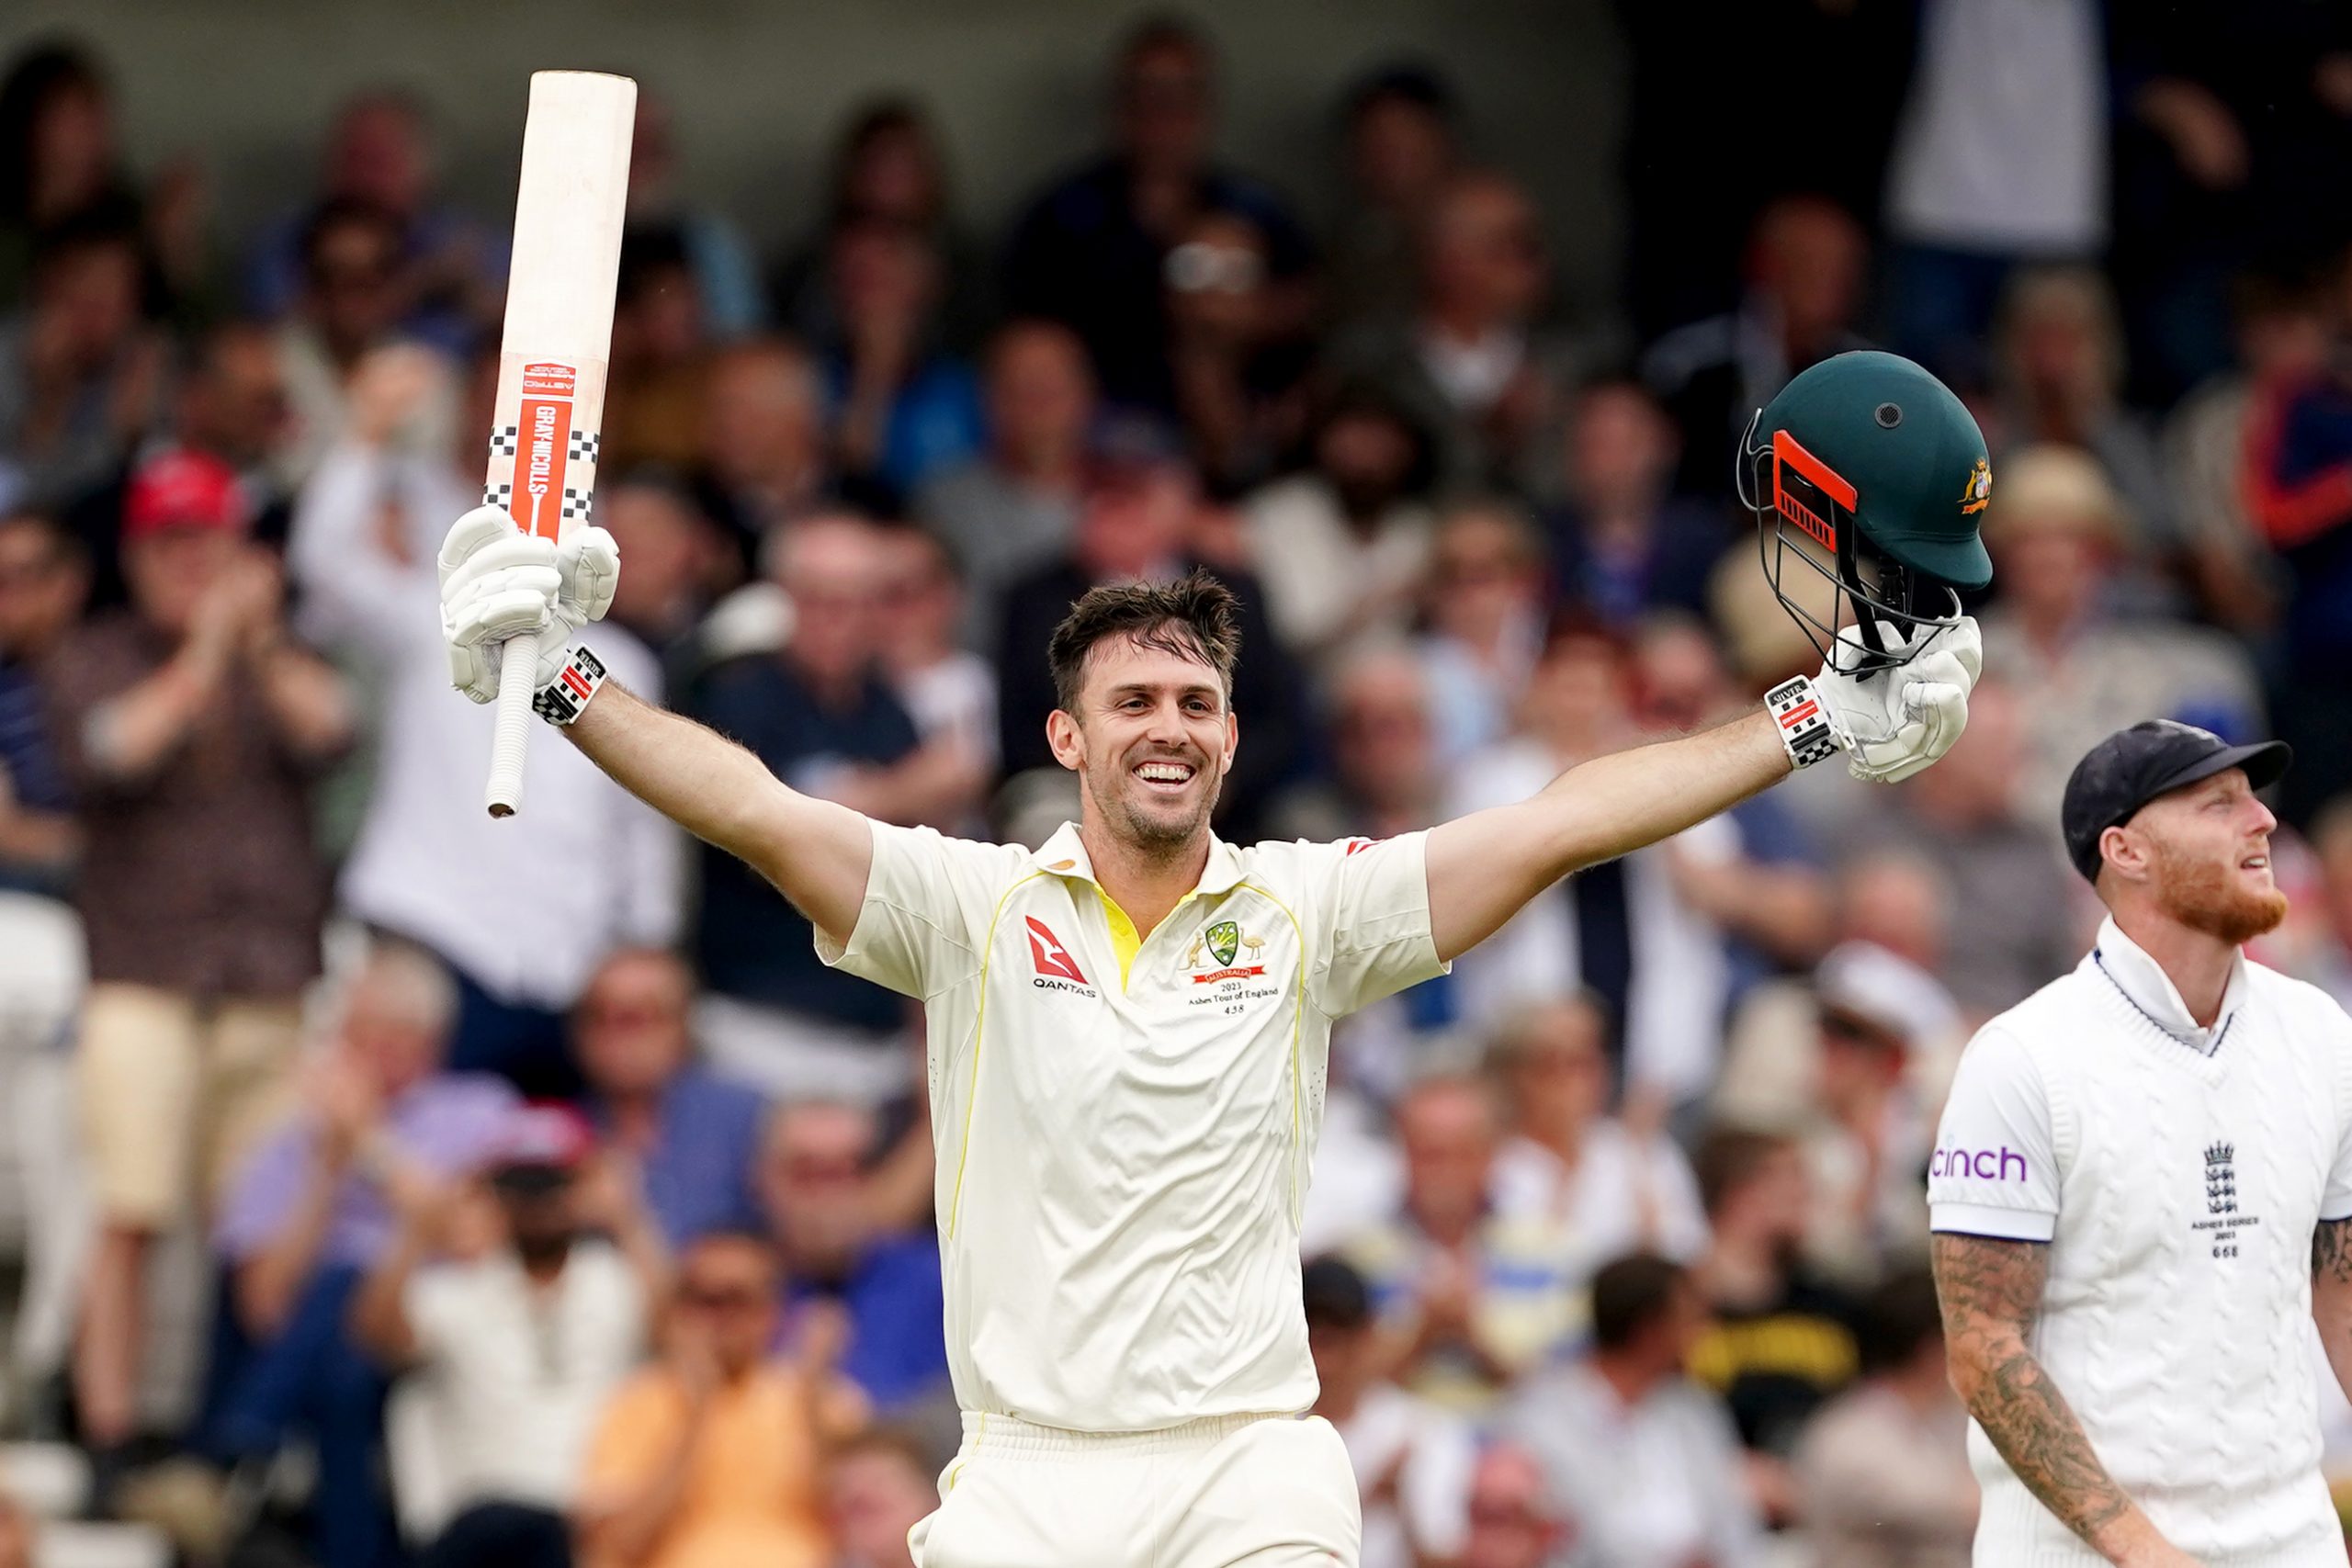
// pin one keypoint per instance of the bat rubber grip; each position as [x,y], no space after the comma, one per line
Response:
[518,667]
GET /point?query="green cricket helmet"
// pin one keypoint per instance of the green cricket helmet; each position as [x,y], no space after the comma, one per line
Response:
[1872,473]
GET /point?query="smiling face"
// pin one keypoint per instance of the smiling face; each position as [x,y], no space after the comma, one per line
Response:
[1151,740]
[2202,854]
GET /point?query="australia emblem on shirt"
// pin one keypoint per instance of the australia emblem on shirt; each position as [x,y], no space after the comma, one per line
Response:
[1225,941]
[2223,1218]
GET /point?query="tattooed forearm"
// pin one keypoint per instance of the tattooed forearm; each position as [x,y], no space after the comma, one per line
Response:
[1991,1291]
[2332,1253]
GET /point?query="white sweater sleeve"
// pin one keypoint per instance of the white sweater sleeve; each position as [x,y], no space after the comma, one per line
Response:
[1995,1170]
[356,592]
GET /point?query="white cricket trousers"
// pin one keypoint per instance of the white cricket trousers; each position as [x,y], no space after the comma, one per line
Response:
[1230,1491]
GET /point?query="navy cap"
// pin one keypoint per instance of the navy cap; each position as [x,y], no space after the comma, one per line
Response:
[2133,766]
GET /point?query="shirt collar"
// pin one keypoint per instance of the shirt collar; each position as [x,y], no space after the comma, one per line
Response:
[2147,987]
[1065,856]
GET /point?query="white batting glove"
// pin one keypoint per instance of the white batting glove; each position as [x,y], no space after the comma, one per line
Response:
[1897,722]
[498,583]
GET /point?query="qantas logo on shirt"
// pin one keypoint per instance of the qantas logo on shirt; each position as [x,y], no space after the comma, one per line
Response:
[1045,949]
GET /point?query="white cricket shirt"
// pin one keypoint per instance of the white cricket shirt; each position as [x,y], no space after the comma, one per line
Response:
[1127,1123]
[2176,1174]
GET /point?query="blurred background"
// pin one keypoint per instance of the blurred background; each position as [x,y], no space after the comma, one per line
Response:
[378,1184]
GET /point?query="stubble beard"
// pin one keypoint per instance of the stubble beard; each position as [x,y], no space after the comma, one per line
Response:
[2202,896]
[1155,837]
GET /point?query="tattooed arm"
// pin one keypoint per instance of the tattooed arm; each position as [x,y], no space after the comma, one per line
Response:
[2332,1295]
[1990,1291]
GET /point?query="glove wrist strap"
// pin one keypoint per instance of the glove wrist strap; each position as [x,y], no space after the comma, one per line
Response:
[559,700]
[1802,720]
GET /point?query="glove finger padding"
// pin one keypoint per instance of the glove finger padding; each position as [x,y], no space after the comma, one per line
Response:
[1934,714]
[473,670]
[589,564]
[470,534]
[503,607]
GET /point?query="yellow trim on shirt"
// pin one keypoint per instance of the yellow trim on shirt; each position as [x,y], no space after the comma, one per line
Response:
[979,1025]
[1297,1069]
[1126,940]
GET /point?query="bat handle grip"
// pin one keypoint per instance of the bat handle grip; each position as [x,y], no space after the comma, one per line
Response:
[518,667]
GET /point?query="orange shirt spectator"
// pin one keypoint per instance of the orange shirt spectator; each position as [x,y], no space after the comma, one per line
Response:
[713,1457]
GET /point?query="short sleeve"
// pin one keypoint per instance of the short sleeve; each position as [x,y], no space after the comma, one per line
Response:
[1993,1171]
[1372,904]
[929,900]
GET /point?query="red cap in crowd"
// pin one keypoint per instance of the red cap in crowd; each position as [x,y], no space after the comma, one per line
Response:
[541,1138]
[182,490]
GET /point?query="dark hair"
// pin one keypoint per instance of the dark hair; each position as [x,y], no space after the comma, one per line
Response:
[1335,1294]
[342,211]
[651,253]
[884,117]
[1404,82]
[1898,1318]
[34,80]
[1191,617]
[1165,29]
[1630,1294]
[1728,1159]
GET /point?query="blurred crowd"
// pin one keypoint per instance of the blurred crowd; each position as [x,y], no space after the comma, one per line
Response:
[394,1184]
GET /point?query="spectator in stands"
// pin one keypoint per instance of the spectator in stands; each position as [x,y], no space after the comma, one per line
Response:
[1623,930]
[314,1209]
[660,362]
[1621,546]
[520,910]
[1343,545]
[2299,491]
[229,401]
[44,578]
[2282,340]
[947,690]
[1608,1185]
[1879,1020]
[1136,524]
[1413,1461]
[820,715]
[1968,825]
[58,158]
[2059,382]
[515,1345]
[879,1486]
[888,167]
[1401,143]
[674,549]
[81,370]
[1385,778]
[762,457]
[902,409]
[714,1456]
[2058,533]
[1644,1461]
[1090,250]
[1806,261]
[379,154]
[726,279]
[350,306]
[1484,609]
[189,727]
[1013,508]
[1234,382]
[1514,1520]
[1881,1473]
[1782,1341]
[1469,1297]
[692,1139]
[2000,157]
[822,1206]
[1469,362]
[2327,962]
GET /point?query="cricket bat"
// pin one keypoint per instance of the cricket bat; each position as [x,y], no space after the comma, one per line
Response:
[550,409]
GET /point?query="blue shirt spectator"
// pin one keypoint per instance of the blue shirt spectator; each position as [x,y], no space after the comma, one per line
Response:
[694,1139]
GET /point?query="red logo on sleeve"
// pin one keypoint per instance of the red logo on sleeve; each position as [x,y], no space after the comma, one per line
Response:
[1051,956]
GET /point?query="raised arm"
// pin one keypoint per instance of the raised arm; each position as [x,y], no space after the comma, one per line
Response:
[497,583]
[1991,1291]
[1484,867]
[816,852]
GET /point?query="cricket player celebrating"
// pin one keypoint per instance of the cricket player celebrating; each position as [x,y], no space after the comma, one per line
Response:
[2142,1186]
[1127,1028]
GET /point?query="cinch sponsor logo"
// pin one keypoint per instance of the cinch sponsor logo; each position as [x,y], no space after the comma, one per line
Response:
[1990,1165]
[1045,949]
